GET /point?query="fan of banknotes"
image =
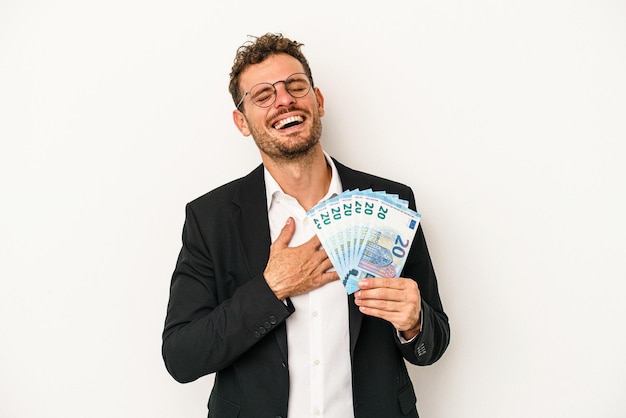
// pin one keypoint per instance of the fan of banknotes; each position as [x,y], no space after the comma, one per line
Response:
[365,233]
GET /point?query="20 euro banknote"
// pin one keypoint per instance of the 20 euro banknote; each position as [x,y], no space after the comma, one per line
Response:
[365,234]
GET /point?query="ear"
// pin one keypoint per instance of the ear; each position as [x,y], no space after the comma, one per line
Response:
[320,101]
[240,122]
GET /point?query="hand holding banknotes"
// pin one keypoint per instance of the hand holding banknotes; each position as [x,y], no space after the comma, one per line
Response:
[293,271]
[367,235]
[396,300]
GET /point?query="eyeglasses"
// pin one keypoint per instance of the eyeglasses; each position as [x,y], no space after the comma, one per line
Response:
[264,94]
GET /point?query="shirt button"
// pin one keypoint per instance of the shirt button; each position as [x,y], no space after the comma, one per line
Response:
[316,411]
[316,362]
[315,314]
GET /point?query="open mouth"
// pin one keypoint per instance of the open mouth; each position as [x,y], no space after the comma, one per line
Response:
[288,122]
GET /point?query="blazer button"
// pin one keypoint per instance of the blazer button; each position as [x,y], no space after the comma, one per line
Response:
[272,320]
[267,325]
[256,334]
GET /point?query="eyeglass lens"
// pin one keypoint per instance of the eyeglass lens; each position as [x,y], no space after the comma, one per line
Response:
[264,94]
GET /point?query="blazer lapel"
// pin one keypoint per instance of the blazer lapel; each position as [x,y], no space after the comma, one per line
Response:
[351,179]
[251,221]
[252,225]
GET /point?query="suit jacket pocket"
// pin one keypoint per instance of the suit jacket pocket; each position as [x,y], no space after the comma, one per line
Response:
[222,408]
[407,401]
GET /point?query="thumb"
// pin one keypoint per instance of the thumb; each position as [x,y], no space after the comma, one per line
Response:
[284,238]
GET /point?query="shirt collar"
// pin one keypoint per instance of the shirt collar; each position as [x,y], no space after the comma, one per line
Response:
[272,188]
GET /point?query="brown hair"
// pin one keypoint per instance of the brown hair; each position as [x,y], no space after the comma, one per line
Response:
[257,51]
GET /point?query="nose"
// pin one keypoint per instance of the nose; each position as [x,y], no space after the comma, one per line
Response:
[283,98]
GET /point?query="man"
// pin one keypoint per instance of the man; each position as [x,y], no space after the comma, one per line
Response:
[254,297]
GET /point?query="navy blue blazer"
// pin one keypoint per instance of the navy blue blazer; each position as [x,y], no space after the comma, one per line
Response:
[223,318]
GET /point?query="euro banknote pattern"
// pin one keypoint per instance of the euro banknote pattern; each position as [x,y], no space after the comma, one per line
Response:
[365,234]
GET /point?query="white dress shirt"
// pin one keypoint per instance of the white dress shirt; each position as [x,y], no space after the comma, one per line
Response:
[318,339]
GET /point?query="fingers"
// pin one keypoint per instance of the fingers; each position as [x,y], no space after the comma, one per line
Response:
[383,293]
[284,238]
[318,264]
[382,283]
[330,276]
[325,263]
[286,234]
[394,300]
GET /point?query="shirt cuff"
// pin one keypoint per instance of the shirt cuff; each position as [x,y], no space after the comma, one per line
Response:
[405,341]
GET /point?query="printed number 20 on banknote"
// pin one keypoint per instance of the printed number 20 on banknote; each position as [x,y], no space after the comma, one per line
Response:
[365,234]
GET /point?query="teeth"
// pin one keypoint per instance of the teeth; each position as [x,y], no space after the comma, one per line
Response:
[284,122]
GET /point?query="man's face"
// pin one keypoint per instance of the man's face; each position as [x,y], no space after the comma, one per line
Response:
[291,126]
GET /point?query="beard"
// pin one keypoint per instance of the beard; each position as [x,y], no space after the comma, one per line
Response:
[287,148]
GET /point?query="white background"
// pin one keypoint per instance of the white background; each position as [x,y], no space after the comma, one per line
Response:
[506,117]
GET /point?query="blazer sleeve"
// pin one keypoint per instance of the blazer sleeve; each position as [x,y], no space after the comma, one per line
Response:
[214,314]
[434,337]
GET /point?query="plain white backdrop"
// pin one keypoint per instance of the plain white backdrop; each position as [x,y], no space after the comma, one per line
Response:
[508,119]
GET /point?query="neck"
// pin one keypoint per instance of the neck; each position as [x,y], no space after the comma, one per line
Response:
[305,179]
